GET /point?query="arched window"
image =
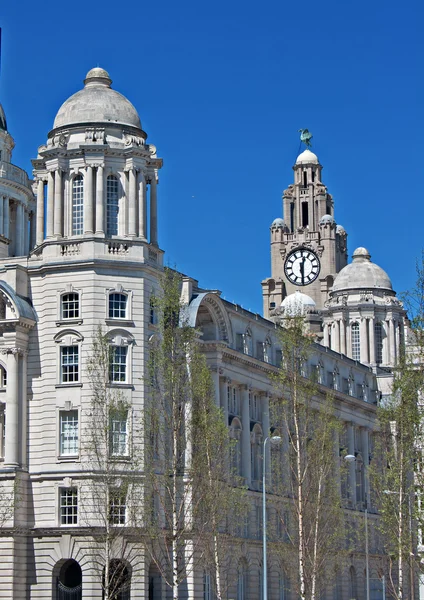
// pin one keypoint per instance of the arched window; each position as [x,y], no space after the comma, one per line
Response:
[69,581]
[112,205]
[78,205]
[353,585]
[356,342]
[378,340]
[242,580]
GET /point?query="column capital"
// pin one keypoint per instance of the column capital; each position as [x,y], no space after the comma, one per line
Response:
[14,350]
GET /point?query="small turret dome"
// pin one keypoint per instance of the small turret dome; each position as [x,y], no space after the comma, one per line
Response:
[279,223]
[340,230]
[3,124]
[307,157]
[97,102]
[297,304]
[327,220]
[362,273]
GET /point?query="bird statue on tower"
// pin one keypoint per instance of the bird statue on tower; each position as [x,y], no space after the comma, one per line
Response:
[306,137]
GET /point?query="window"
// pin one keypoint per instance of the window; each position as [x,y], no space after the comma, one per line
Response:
[353,586]
[235,447]
[68,424]
[70,306]
[69,367]
[233,400]
[68,506]
[118,306]
[356,343]
[242,581]
[119,433]
[153,313]
[78,205]
[3,377]
[112,205]
[118,364]
[117,507]
[207,586]
[378,337]
[267,351]
[248,343]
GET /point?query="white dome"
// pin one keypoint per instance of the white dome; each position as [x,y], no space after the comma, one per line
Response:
[279,223]
[361,273]
[297,304]
[340,230]
[327,219]
[307,157]
[97,103]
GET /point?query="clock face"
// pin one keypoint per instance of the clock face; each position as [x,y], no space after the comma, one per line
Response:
[302,266]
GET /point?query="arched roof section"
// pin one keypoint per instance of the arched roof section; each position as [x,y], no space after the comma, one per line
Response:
[19,306]
[216,309]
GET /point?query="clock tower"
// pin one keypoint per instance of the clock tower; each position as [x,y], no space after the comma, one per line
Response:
[308,248]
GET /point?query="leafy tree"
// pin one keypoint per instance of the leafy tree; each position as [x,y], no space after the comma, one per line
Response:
[188,483]
[309,511]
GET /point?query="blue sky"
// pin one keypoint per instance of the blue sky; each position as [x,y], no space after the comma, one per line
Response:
[222,89]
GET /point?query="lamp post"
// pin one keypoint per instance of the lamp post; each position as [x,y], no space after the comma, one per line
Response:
[274,439]
[350,458]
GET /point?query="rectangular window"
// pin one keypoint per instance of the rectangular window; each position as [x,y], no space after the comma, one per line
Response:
[118,364]
[117,508]
[68,432]
[119,433]
[118,306]
[69,367]
[70,306]
[239,342]
[78,205]
[68,506]
[260,354]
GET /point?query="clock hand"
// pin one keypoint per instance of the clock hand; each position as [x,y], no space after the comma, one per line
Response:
[302,270]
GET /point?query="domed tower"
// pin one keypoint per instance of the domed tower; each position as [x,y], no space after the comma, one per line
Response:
[17,205]
[308,248]
[363,318]
[96,176]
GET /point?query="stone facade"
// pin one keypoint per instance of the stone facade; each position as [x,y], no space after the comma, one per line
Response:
[91,258]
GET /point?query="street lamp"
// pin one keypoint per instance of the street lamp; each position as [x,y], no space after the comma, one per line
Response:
[350,458]
[274,439]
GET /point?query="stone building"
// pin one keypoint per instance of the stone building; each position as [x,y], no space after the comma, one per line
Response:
[80,248]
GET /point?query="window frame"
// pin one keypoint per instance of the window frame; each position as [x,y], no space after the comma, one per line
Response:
[116,206]
[75,317]
[74,365]
[61,453]
[67,339]
[79,216]
[63,513]
[112,418]
[117,508]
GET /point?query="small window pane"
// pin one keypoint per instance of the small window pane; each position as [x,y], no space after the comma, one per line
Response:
[68,506]
[118,434]
[112,204]
[118,364]
[117,306]
[356,344]
[378,334]
[69,364]
[69,432]
[78,205]
[70,306]
[117,508]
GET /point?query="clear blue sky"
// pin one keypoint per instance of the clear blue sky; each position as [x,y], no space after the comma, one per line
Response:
[222,89]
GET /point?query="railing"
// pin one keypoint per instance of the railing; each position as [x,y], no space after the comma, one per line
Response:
[9,171]
[70,249]
[67,593]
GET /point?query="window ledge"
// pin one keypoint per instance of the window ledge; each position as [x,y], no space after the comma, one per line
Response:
[68,458]
[124,322]
[68,385]
[69,322]
[124,386]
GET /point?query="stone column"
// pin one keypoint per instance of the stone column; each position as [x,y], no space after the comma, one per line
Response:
[19,230]
[1,214]
[100,201]
[348,340]
[1,430]
[58,211]
[132,205]
[343,336]
[153,212]
[336,343]
[371,323]
[50,204]
[6,217]
[88,201]
[40,212]
[223,393]
[266,433]
[11,453]
[32,231]
[215,379]
[245,440]
[27,231]
[392,342]
[364,341]
[337,470]
[142,208]
[386,343]
[351,465]
[24,425]
[326,336]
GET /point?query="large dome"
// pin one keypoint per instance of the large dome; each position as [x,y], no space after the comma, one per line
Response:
[97,103]
[361,273]
[3,124]
[297,304]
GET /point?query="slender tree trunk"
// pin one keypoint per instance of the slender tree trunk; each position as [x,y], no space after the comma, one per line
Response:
[400,532]
[316,531]
[175,516]
[299,494]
